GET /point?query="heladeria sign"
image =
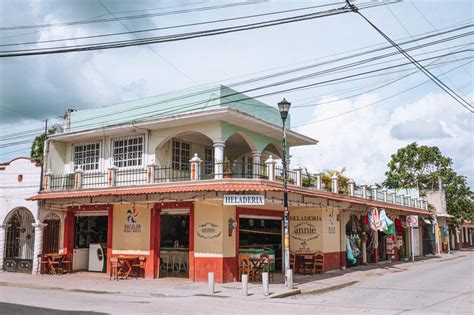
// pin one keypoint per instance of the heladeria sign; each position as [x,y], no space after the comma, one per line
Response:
[244,200]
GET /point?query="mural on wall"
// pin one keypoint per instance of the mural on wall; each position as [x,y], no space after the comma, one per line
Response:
[208,230]
[305,232]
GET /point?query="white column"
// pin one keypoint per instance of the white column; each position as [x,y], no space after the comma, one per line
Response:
[219,159]
[402,200]
[47,180]
[299,176]
[270,163]
[364,190]
[38,249]
[2,244]
[384,191]
[319,181]
[335,183]
[351,185]
[256,167]
[374,192]
[394,198]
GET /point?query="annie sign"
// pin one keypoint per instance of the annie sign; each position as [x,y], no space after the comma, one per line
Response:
[244,200]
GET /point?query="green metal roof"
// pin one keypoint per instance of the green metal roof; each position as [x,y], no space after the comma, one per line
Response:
[169,104]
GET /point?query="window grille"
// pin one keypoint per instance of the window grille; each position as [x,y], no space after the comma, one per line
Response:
[208,160]
[128,152]
[86,156]
[181,155]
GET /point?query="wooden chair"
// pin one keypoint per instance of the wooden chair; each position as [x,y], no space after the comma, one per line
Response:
[114,268]
[266,266]
[138,266]
[245,267]
[66,263]
[308,264]
[319,262]
[42,264]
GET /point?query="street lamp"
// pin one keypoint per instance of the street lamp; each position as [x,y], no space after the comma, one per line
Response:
[284,107]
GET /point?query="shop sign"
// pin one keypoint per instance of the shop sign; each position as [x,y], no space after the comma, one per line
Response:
[208,230]
[331,225]
[131,226]
[412,221]
[244,200]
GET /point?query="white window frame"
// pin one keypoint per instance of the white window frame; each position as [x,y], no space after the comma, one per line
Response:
[127,138]
[181,163]
[73,151]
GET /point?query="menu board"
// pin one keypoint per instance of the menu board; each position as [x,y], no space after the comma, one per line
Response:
[90,230]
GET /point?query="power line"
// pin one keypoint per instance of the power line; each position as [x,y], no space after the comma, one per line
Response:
[432,77]
[176,37]
[132,17]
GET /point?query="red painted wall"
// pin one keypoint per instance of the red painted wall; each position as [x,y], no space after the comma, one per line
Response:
[334,260]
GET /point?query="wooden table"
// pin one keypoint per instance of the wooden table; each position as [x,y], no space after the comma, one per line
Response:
[54,262]
[125,266]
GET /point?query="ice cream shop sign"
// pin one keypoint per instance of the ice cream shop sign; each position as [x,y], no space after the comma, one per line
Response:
[131,224]
[244,200]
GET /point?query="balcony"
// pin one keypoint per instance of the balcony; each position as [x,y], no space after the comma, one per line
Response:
[200,171]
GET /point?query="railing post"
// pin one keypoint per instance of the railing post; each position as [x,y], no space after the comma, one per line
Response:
[150,173]
[112,175]
[319,181]
[78,179]
[394,198]
[351,185]
[364,190]
[413,202]
[195,167]
[384,191]
[47,181]
[374,192]
[270,163]
[402,200]
[299,176]
[335,183]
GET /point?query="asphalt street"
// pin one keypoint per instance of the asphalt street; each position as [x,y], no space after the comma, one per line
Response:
[436,287]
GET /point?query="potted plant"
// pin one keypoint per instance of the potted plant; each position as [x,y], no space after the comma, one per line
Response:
[227,167]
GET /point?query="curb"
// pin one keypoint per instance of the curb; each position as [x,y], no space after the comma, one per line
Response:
[286,294]
[330,288]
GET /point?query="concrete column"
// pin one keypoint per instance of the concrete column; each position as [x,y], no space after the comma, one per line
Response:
[111,175]
[402,200]
[299,176]
[219,159]
[78,179]
[256,167]
[374,192]
[394,198]
[384,191]
[364,190]
[270,163]
[38,247]
[335,184]
[351,185]
[47,180]
[150,173]
[319,181]
[2,244]
[195,167]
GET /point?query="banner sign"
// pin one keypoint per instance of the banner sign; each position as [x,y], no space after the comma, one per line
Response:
[412,221]
[244,200]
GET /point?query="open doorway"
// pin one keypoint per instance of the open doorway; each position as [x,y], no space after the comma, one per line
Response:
[90,242]
[174,243]
[261,235]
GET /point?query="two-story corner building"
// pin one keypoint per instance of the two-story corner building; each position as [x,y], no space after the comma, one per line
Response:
[19,220]
[189,180]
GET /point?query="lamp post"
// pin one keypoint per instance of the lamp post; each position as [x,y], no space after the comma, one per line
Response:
[284,107]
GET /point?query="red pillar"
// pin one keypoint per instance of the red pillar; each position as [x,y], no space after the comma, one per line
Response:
[68,244]
[110,228]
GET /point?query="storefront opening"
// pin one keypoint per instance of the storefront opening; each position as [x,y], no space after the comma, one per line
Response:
[174,244]
[258,236]
[90,242]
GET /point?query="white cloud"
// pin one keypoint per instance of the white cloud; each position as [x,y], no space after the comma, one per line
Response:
[363,141]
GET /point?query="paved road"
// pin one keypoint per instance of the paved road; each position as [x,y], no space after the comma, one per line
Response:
[427,288]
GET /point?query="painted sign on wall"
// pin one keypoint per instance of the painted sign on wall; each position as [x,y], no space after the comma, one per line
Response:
[244,200]
[131,225]
[305,232]
[208,230]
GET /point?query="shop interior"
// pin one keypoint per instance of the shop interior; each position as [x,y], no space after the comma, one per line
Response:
[90,243]
[174,244]
[258,235]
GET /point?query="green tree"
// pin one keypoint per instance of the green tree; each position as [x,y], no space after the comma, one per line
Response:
[421,166]
[37,147]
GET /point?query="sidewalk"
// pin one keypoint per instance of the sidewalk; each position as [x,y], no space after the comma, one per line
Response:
[99,283]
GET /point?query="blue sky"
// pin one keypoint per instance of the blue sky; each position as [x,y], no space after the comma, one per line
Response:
[39,87]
